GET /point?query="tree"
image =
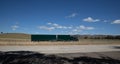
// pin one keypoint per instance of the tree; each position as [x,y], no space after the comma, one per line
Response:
[1,32]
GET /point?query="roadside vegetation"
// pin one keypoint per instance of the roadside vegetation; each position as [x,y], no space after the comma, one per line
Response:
[25,39]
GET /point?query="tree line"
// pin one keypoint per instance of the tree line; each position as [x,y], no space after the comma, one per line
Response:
[97,36]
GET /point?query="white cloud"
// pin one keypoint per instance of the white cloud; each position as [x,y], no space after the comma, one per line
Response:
[70,27]
[116,22]
[76,30]
[52,26]
[105,21]
[14,27]
[67,29]
[71,15]
[82,28]
[46,28]
[49,23]
[57,26]
[86,28]
[90,19]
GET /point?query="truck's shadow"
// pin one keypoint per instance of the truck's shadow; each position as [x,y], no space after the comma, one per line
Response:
[28,57]
[116,47]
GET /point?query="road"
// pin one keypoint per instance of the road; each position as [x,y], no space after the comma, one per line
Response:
[53,49]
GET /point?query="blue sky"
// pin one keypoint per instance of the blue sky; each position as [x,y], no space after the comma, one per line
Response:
[60,16]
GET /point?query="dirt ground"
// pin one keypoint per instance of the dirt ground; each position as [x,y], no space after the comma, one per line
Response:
[30,57]
[60,54]
[52,49]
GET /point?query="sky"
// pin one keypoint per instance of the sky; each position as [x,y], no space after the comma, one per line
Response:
[60,16]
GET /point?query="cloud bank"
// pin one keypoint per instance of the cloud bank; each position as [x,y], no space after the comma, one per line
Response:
[65,29]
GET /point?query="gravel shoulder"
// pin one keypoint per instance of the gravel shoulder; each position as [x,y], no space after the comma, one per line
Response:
[52,49]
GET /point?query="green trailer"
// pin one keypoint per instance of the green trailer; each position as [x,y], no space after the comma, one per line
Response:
[53,38]
[43,37]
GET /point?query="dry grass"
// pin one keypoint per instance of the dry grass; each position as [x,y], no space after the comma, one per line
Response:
[15,36]
[81,42]
[25,39]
